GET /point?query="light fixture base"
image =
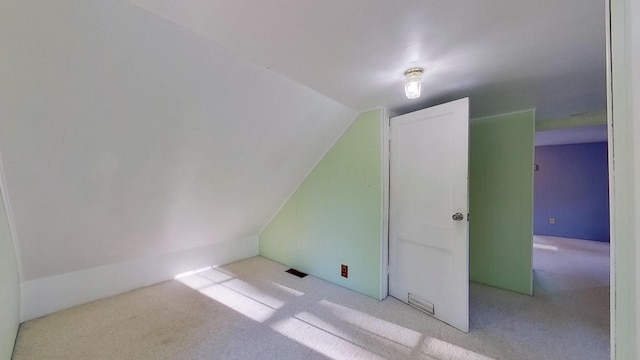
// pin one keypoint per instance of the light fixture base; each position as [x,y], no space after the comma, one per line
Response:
[414,71]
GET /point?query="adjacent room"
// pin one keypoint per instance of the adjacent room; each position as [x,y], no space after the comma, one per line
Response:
[571,211]
[286,180]
[571,242]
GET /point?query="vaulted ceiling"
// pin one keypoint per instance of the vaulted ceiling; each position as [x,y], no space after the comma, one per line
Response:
[130,128]
[123,135]
[504,55]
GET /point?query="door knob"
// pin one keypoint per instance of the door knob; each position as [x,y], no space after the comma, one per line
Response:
[458,217]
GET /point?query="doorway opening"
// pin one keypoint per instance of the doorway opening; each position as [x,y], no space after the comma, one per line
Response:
[571,241]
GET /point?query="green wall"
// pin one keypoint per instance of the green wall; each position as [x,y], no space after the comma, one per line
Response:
[501,201]
[9,288]
[335,215]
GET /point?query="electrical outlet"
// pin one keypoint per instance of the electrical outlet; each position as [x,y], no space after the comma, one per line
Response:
[344,271]
[552,221]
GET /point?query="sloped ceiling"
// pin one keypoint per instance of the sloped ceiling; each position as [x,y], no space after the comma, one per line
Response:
[504,55]
[123,135]
[130,128]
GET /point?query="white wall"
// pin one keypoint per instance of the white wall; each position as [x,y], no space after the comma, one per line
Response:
[49,294]
[9,284]
[624,111]
[634,15]
[634,80]
[126,137]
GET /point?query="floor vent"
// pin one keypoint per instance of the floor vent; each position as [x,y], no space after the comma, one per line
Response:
[297,273]
[421,304]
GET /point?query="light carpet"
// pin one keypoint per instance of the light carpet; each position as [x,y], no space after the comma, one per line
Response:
[252,309]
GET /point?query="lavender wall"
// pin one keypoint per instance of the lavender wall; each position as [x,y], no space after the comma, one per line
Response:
[571,185]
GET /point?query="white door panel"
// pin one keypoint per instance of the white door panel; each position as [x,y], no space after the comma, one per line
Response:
[428,250]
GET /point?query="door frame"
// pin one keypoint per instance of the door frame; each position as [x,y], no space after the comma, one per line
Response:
[615,31]
[384,231]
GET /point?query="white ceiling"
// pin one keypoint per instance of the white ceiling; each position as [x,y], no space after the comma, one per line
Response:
[123,135]
[504,55]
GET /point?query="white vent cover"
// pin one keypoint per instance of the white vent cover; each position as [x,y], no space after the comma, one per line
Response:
[421,304]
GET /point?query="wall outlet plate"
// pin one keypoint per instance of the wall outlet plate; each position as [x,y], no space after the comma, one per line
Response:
[344,271]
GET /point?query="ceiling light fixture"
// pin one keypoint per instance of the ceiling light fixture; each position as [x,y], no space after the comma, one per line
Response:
[413,82]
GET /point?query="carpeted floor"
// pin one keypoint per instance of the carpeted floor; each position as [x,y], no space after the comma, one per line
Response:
[252,309]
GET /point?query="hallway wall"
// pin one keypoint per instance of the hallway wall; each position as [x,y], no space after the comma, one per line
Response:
[501,201]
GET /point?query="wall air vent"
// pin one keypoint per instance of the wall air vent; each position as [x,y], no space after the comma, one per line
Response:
[421,304]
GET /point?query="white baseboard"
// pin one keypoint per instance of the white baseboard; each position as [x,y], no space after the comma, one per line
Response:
[50,294]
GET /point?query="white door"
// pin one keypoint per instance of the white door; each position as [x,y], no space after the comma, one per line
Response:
[428,228]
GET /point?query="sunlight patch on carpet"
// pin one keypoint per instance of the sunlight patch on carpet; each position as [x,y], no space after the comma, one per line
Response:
[192,272]
[254,293]
[444,350]
[545,247]
[245,305]
[288,289]
[374,325]
[321,341]
[216,275]
[196,282]
[245,298]
[322,325]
